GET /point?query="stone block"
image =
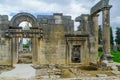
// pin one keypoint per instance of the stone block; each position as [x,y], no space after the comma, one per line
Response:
[101,75]
[3,19]
[42,72]
[104,63]
[114,68]
[101,4]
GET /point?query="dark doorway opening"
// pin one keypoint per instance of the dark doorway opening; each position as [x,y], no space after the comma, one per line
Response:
[75,57]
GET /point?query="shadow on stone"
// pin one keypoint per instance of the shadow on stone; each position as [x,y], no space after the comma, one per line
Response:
[89,68]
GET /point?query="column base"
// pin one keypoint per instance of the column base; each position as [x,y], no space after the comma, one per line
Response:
[107,57]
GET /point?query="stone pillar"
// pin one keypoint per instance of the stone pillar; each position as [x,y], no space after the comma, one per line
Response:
[14,50]
[85,23]
[21,45]
[34,50]
[95,32]
[106,33]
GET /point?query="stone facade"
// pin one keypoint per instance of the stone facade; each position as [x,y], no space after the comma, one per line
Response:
[54,44]
[77,48]
[5,51]
[54,40]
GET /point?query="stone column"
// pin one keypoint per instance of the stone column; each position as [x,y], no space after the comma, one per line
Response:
[34,50]
[85,23]
[106,33]
[21,45]
[95,32]
[14,50]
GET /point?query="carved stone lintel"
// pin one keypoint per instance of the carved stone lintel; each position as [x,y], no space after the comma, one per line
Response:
[106,8]
[99,6]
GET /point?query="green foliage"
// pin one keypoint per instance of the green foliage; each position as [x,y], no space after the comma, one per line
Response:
[25,45]
[116,55]
[117,40]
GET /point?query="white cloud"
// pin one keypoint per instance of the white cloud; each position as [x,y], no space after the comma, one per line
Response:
[116,20]
[37,6]
[76,9]
[73,8]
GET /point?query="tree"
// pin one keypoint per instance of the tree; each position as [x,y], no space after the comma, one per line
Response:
[99,34]
[111,37]
[117,39]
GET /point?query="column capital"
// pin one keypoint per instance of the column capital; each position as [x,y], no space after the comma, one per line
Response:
[95,15]
[107,8]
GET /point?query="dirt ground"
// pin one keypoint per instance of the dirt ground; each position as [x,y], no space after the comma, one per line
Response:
[83,72]
[26,72]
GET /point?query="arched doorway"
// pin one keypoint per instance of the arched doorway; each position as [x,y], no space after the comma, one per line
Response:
[25,45]
[14,23]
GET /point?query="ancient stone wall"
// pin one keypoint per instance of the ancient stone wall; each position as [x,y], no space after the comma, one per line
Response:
[53,50]
[53,46]
[80,42]
[5,43]
[5,51]
[3,24]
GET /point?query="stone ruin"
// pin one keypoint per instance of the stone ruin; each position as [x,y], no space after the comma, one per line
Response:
[54,40]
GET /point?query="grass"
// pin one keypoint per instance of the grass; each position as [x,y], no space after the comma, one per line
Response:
[116,55]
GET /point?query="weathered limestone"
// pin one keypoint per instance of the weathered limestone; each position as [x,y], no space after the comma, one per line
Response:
[99,6]
[106,33]
[95,43]
[55,52]
[14,50]
[89,24]
[3,24]
[104,6]
[20,45]
[78,41]
[54,40]
[53,45]
[84,23]
[5,43]
[15,21]
[5,51]
[18,18]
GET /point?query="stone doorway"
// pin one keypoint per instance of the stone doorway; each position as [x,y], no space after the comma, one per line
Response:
[75,54]
[29,32]
[25,45]
[25,51]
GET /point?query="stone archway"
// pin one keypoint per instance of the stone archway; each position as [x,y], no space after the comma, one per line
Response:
[18,18]
[15,21]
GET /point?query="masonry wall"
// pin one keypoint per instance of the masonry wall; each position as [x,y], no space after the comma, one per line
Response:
[5,43]
[5,51]
[53,50]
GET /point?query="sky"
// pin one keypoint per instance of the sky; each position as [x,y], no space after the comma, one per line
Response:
[73,8]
